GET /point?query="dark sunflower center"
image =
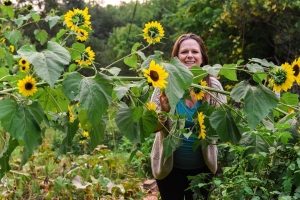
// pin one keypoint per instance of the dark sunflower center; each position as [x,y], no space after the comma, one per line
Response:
[28,86]
[196,90]
[23,62]
[7,3]
[153,31]
[154,75]
[29,7]
[280,77]
[296,70]
[78,19]
[23,68]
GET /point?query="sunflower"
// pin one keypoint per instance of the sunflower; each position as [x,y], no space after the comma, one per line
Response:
[82,37]
[228,87]
[153,32]
[202,126]
[85,133]
[199,94]
[24,65]
[7,3]
[11,48]
[87,58]
[27,86]
[77,18]
[156,75]
[296,69]
[71,116]
[283,78]
[151,106]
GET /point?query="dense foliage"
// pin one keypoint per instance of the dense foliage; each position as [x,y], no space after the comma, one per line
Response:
[51,78]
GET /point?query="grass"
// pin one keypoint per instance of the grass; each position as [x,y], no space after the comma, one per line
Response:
[102,174]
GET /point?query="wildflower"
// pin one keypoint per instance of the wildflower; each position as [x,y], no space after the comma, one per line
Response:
[153,32]
[2,40]
[156,75]
[27,86]
[296,70]
[199,94]
[88,58]
[82,37]
[78,18]
[202,130]
[24,65]
[151,106]
[11,48]
[283,78]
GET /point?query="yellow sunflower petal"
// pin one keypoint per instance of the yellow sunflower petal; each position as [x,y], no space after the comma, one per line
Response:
[151,106]
[296,70]
[156,75]
[27,86]
[283,78]
[202,131]
[153,32]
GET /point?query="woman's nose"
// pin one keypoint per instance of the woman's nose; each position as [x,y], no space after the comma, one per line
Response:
[189,54]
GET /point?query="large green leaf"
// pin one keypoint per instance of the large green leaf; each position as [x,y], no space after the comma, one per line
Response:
[70,131]
[49,63]
[288,99]
[239,91]
[212,70]
[257,142]
[254,67]
[225,126]
[95,95]
[124,121]
[8,10]
[198,73]
[52,99]
[228,70]
[148,124]
[5,155]
[259,101]
[171,143]
[70,85]
[121,90]
[97,133]
[41,36]
[52,20]
[131,61]
[13,36]
[76,50]
[179,80]
[22,122]
[136,131]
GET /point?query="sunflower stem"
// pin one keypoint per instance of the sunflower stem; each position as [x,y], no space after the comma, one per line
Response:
[290,106]
[110,65]
[210,89]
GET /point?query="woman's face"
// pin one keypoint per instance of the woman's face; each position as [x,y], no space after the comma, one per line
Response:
[189,53]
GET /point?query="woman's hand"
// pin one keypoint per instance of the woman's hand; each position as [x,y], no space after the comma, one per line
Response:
[164,102]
